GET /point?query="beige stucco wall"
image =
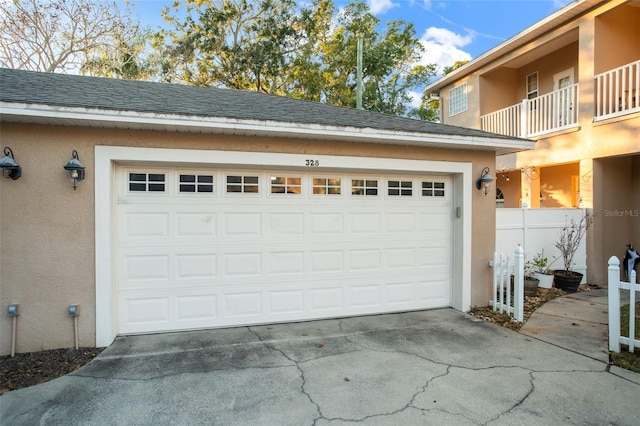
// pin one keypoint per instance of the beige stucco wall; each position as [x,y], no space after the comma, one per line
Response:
[617,39]
[556,185]
[47,229]
[511,189]
[469,118]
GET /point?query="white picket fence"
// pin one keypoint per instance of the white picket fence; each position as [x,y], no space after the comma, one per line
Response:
[615,285]
[503,267]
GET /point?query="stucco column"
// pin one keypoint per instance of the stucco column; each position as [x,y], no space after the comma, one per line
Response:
[586,184]
[530,188]
[586,71]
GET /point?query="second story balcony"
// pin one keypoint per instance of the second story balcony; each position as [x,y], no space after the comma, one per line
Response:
[551,112]
[617,93]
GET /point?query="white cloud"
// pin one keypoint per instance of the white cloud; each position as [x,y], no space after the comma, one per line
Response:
[416,98]
[444,47]
[379,7]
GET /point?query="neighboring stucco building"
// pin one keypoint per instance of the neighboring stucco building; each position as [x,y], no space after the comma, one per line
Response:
[571,82]
[206,207]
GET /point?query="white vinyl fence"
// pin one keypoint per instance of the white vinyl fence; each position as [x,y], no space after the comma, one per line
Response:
[503,267]
[615,285]
[536,230]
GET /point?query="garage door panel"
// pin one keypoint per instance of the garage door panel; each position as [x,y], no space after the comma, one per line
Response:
[242,264]
[365,259]
[188,261]
[194,225]
[325,224]
[194,266]
[286,224]
[144,225]
[365,223]
[247,305]
[322,299]
[286,263]
[237,223]
[287,302]
[322,261]
[200,307]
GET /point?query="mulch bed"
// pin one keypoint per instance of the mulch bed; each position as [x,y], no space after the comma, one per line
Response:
[531,303]
[32,368]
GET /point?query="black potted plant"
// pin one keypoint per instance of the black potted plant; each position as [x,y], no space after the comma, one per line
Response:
[568,242]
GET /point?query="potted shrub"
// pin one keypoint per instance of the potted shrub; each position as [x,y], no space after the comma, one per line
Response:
[542,271]
[569,239]
[530,281]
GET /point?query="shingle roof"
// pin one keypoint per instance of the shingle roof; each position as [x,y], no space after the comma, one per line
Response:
[64,90]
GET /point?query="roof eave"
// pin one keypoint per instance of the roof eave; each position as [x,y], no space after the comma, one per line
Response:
[46,114]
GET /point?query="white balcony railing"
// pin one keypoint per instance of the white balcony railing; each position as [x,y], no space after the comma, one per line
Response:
[554,111]
[618,91]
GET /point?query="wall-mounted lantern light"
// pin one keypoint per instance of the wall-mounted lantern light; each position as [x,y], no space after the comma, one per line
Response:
[8,164]
[484,180]
[75,168]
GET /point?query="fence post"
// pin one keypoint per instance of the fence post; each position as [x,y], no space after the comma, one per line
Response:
[518,284]
[614,304]
[632,310]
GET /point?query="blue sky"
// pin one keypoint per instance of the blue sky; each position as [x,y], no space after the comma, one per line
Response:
[450,30]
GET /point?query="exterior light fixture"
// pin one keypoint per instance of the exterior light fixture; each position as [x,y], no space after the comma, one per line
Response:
[75,168]
[8,164]
[484,180]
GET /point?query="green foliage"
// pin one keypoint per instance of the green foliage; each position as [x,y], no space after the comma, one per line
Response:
[307,52]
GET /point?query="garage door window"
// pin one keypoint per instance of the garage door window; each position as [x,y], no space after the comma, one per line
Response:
[286,185]
[402,188]
[196,183]
[327,186]
[243,184]
[364,187]
[433,189]
[146,182]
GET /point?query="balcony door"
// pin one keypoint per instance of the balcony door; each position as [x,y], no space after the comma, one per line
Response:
[563,99]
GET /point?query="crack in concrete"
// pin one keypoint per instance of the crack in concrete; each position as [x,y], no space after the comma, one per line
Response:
[518,403]
[300,370]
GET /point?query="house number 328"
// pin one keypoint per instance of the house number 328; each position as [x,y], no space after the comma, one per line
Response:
[312,163]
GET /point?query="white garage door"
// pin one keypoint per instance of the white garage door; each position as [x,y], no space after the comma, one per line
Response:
[201,248]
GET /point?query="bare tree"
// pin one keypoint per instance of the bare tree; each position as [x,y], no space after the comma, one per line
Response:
[62,35]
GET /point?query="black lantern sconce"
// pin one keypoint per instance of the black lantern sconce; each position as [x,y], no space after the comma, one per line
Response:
[8,164]
[484,180]
[75,169]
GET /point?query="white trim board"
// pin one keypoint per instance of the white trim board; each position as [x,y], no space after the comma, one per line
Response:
[107,156]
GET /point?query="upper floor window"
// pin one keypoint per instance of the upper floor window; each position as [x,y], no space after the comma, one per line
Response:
[532,85]
[458,99]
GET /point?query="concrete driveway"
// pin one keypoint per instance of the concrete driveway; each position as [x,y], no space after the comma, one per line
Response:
[433,367]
